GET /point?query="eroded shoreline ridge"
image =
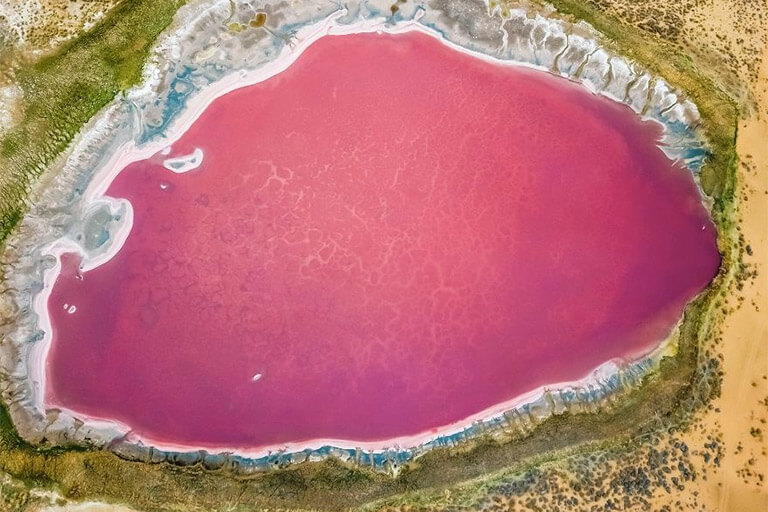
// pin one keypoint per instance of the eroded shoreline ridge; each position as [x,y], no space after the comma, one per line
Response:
[76,218]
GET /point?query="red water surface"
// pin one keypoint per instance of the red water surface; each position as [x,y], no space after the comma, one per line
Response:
[395,236]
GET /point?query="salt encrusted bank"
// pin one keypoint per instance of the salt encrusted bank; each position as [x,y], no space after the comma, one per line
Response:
[210,50]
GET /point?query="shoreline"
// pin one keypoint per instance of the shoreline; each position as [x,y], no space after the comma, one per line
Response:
[130,152]
[596,379]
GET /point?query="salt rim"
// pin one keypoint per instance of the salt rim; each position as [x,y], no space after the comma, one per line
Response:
[185,163]
[110,431]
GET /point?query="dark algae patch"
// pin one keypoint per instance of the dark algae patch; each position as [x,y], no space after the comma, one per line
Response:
[664,402]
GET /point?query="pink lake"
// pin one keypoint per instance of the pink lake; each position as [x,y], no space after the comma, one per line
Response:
[388,237]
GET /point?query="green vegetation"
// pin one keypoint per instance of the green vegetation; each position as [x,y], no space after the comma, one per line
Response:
[64,90]
[96,67]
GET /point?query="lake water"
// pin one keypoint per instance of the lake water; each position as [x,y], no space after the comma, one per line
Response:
[388,237]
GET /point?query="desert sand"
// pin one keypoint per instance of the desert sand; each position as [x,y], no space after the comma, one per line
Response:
[741,413]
